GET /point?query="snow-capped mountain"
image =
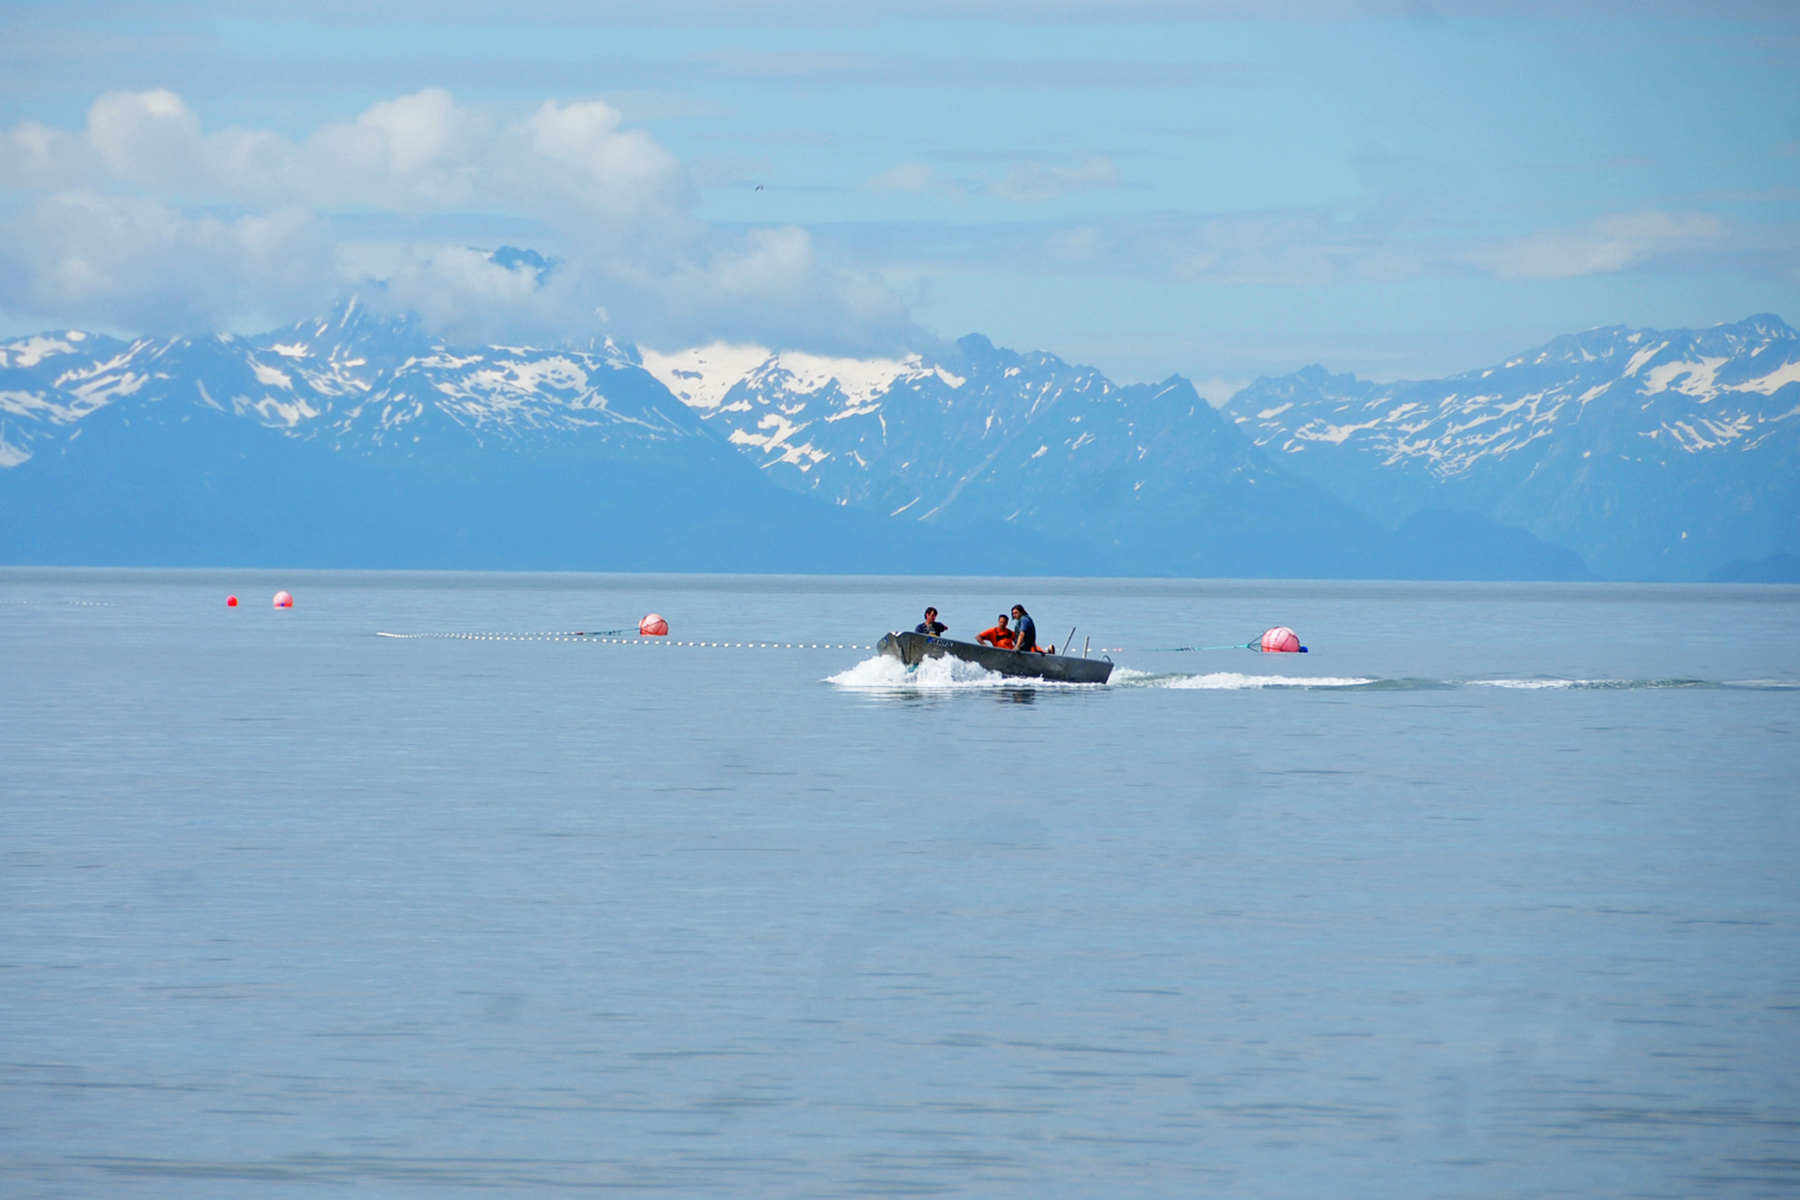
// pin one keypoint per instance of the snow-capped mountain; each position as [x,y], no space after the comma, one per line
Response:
[50,382]
[905,435]
[1656,454]
[1018,463]
[1145,478]
[353,380]
[359,430]
[360,441]
[926,439]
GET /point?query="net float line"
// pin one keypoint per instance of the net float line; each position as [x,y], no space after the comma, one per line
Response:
[1279,640]
[556,634]
[610,638]
[76,603]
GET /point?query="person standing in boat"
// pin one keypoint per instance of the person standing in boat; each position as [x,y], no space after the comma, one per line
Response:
[1024,630]
[999,637]
[930,626]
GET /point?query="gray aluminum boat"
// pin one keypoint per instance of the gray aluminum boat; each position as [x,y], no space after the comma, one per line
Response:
[914,648]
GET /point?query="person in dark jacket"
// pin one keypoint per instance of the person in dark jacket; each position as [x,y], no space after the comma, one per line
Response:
[1024,630]
[930,626]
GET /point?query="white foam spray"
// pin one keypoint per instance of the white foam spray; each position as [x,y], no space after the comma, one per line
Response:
[1232,681]
[882,673]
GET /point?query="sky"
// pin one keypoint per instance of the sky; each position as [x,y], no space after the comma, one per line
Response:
[1221,190]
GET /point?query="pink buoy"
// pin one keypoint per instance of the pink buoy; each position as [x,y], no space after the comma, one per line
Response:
[231,602]
[1282,640]
[284,600]
[653,626]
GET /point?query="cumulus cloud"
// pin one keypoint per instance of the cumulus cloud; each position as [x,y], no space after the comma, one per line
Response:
[419,153]
[468,294]
[80,257]
[1031,181]
[126,229]
[35,156]
[774,285]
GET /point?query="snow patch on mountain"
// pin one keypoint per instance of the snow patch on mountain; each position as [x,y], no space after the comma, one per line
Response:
[705,376]
[1774,381]
[29,352]
[701,377]
[860,382]
[270,376]
[789,409]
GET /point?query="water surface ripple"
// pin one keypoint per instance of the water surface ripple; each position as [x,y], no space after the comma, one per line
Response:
[1491,894]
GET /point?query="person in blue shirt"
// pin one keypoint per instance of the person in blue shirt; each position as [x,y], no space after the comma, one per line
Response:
[1024,630]
[930,626]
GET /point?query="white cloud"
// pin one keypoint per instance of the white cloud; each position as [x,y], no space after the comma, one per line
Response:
[154,140]
[465,295]
[126,228]
[82,257]
[1081,244]
[1216,389]
[617,172]
[1612,243]
[912,178]
[1030,181]
[417,153]
[147,137]
[1283,249]
[1315,248]
[35,156]
[773,288]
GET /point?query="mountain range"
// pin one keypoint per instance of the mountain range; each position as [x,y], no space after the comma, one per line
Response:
[1654,455]
[362,440]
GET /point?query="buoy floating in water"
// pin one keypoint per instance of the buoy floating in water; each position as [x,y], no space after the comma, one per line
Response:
[231,602]
[1282,640]
[653,626]
[284,600]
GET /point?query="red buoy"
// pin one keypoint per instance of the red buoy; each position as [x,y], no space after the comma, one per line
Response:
[653,626]
[231,602]
[284,600]
[1282,640]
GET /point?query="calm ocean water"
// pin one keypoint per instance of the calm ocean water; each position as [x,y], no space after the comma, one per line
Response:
[1494,893]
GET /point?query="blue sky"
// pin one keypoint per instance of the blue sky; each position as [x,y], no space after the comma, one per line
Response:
[1150,188]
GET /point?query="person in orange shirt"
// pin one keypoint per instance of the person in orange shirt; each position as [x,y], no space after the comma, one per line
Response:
[999,637]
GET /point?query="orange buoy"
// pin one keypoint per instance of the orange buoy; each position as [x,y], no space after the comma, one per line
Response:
[231,602]
[284,600]
[653,626]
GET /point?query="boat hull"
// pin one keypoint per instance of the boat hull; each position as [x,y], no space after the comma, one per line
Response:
[914,648]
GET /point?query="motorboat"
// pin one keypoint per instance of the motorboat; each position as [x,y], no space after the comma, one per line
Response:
[914,648]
